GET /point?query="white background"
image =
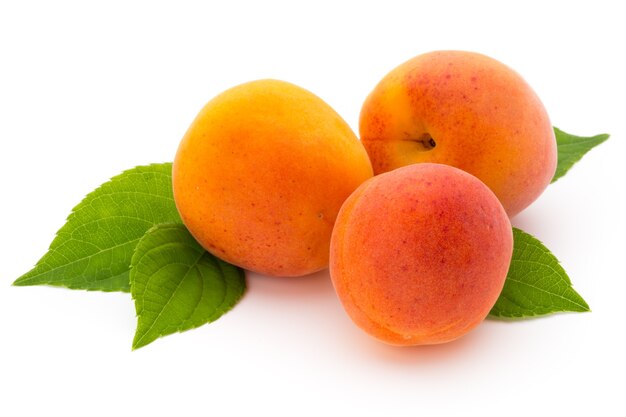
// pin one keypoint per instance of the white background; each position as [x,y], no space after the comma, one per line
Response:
[87,91]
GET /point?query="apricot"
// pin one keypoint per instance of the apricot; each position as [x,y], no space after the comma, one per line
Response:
[419,255]
[261,174]
[466,110]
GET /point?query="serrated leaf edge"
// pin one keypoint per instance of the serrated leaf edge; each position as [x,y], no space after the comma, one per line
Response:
[599,139]
[24,279]
[218,311]
[566,278]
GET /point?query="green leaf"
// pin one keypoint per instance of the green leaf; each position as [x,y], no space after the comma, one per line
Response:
[93,250]
[536,284]
[177,285]
[572,148]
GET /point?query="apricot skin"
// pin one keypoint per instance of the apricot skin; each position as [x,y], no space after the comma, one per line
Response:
[481,115]
[261,174]
[419,255]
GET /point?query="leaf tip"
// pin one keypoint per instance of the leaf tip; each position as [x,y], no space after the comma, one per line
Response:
[580,304]
[142,338]
[138,343]
[584,307]
[21,282]
[571,148]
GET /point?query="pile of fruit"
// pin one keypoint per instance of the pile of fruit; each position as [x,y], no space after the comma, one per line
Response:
[268,173]
[412,220]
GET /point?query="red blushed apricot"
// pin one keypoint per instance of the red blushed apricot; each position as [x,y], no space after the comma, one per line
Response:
[419,255]
[261,174]
[466,110]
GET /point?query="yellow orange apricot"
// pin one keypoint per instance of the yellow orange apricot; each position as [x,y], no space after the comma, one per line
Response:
[261,174]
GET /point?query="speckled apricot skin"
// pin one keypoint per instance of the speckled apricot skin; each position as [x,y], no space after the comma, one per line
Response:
[261,174]
[419,255]
[483,117]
